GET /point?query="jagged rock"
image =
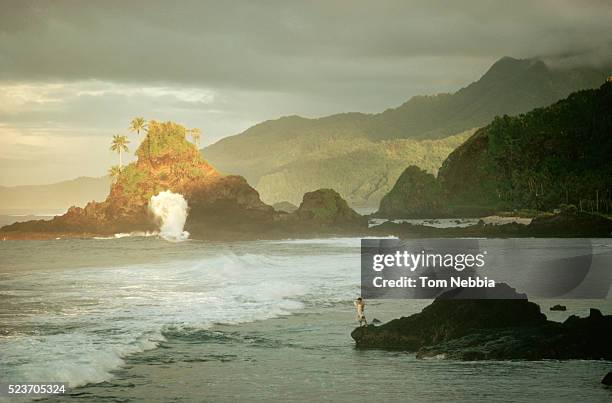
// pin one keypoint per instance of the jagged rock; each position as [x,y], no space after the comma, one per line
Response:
[607,379]
[228,208]
[326,206]
[448,318]
[558,308]
[491,329]
[416,194]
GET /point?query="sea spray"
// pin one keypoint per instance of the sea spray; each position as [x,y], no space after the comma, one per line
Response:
[171,211]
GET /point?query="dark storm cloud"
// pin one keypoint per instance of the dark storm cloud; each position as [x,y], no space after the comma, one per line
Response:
[284,46]
[73,73]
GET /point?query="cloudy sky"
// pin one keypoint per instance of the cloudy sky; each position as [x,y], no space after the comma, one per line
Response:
[73,73]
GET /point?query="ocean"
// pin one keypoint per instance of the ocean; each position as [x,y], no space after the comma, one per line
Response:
[141,318]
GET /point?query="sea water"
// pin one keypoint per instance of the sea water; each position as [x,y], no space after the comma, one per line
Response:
[140,317]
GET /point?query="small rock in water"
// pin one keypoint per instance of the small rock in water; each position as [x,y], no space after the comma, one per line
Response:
[607,380]
[376,321]
[558,308]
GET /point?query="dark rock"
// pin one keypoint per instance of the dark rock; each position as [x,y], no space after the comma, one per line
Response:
[607,380]
[446,319]
[558,308]
[571,223]
[416,194]
[375,321]
[326,206]
[491,329]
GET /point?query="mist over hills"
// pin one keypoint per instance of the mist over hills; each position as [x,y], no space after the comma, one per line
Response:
[357,153]
[54,198]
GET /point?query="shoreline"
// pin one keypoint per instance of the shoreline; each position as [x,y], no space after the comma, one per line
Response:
[264,360]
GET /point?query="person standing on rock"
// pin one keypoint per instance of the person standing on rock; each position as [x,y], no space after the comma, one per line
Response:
[360,305]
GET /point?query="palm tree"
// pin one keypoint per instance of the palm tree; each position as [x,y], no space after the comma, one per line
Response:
[114,173]
[196,134]
[137,124]
[118,145]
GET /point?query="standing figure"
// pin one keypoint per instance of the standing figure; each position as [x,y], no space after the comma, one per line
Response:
[360,305]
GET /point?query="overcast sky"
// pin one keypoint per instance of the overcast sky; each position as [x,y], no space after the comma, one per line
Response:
[73,73]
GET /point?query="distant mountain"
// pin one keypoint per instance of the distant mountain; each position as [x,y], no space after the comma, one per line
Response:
[363,175]
[52,198]
[544,159]
[357,153]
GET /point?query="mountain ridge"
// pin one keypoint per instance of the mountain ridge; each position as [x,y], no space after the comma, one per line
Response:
[510,86]
[294,147]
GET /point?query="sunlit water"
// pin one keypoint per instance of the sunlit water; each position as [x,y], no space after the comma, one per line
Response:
[139,317]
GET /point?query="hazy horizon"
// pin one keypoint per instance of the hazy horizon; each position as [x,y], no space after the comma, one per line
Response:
[73,74]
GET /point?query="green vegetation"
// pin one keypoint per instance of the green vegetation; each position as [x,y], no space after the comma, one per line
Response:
[362,171]
[549,158]
[166,160]
[559,155]
[137,124]
[164,140]
[114,173]
[362,155]
[416,194]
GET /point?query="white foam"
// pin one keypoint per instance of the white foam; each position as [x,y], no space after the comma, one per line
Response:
[86,321]
[171,210]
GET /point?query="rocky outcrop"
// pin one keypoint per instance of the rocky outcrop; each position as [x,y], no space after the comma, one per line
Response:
[571,223]
[607,379]
[446,319]
[551,225]
[558,308]
[491,329]
[166,161]
[416,194]
[326,206]
[228,208]
[220,207]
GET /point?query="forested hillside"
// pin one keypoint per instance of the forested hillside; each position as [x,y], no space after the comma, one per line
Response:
[363,175]
[350,152]
[550,157]
[561,154]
